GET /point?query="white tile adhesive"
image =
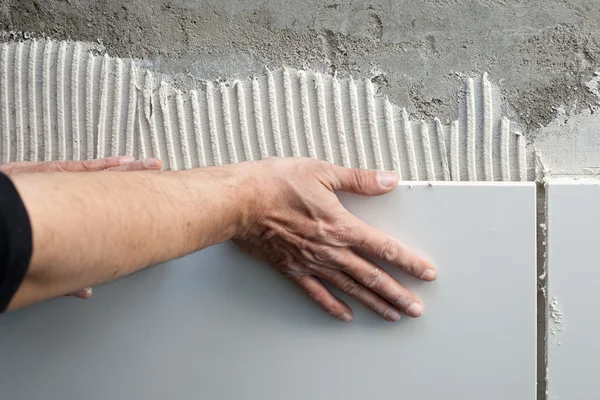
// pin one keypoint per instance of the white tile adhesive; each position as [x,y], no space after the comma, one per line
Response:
[62,101]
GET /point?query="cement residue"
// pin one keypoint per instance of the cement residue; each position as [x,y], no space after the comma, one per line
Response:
[593,85]
[557,322]
[569,145]
[540,51]
[62,101]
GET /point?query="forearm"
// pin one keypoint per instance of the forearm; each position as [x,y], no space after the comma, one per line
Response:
[90,228]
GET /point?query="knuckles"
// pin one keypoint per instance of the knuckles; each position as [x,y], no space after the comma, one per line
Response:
[326,254]
[97,165]
[373,279]
[65,166]
[361,180]
[52,166]
[315,295]
[351,287]
[403,300]
[318,165]
[413,268]
[345,233]
[388,251]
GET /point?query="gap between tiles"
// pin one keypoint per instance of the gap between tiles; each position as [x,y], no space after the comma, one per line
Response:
[542,284]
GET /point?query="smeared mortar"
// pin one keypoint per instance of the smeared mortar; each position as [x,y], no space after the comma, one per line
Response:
[570,144]
[557,321]
[63,100]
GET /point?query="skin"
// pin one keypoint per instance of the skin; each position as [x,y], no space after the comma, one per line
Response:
[124,163]
[282,210]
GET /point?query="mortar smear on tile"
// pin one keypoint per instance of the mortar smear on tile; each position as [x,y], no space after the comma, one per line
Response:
[60,100]
[557,322]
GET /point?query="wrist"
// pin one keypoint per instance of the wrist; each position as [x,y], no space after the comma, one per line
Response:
[223,198]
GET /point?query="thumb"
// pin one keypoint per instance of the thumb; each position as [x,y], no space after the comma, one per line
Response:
[363,181]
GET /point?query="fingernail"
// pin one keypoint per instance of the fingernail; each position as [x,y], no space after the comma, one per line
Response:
[415,310]
[346,317]
[429,275]
[88,292]
[387,179]
[126,160]
[392,315]
[152,162]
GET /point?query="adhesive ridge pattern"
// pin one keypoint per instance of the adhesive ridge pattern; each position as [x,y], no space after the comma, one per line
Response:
[60,101]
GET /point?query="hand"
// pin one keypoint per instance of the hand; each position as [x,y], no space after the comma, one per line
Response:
[297,224]
[125,163]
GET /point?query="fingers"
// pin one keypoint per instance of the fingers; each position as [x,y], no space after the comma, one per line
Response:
[18,167]
[85,166]
[367,297]
[322,296]
[145,165]
[121,163]
[379,245]
[83,294]
[361,181]
[379,281]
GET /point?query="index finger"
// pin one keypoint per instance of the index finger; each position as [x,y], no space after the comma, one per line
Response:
[380,245]
[102,163]
[84,166]
[142,165]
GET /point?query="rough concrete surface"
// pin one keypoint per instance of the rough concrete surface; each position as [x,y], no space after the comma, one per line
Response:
[541,54]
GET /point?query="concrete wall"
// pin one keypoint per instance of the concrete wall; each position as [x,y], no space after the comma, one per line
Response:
[541,55]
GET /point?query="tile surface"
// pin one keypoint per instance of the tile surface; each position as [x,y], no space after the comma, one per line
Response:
[573,280]
[218,325]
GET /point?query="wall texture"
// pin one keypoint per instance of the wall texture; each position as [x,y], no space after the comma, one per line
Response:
[542,55]
[61,101]
[541,58]
[541,52]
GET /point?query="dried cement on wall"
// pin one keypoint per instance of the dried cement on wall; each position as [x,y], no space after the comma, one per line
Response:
[63,100]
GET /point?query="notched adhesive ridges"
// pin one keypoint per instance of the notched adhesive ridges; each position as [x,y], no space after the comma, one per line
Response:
[59,101]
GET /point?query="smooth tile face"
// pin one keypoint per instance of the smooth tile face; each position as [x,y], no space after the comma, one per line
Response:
[218,325]
[573,280]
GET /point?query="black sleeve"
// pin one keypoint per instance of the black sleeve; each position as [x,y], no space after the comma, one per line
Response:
[16,242]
